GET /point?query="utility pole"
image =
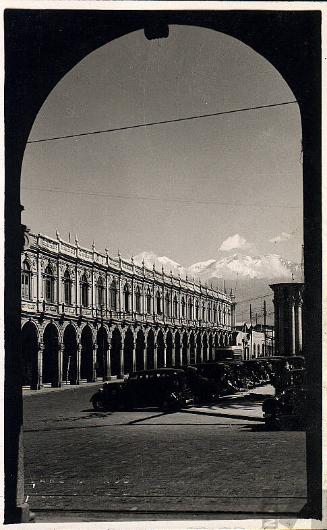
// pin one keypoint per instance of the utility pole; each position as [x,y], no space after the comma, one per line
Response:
[265,325]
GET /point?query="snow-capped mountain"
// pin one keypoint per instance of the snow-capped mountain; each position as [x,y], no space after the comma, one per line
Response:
[237,266]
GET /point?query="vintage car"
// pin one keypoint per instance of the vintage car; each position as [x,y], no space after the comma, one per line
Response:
[287,408]
[165,388]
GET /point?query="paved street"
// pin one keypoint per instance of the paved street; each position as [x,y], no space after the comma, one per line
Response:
[85,465]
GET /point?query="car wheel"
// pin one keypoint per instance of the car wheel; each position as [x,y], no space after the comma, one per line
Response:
[98,404]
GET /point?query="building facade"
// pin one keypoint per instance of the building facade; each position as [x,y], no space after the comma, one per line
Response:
[288,303]
[87,316]
[254,341]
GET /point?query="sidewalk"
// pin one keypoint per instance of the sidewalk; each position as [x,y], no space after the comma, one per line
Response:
[47,389]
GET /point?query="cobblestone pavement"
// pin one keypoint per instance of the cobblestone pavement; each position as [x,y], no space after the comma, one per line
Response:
[215,459]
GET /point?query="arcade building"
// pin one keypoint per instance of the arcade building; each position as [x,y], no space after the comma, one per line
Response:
[87,316]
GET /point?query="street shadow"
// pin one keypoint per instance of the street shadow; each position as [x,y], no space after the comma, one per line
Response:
[224,415]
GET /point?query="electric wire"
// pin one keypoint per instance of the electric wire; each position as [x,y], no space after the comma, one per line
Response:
[151,124]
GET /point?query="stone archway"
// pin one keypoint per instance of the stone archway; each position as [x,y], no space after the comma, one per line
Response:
[50,365]
[150,349]
[297,52]
[30,349]
[69,359]
[139,349]
[192,348]
[101,357]
[116,346]
[185,349]
[160,349]
[177,348]
[205,346]
[87,354]
[128,351]
[169,349]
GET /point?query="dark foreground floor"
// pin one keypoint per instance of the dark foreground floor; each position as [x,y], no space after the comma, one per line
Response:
[209,462]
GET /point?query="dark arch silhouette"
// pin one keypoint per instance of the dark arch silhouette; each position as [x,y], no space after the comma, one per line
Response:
[128,351]
[50,368]
[101,357]
[295,53]
[150,350]
[210,342]
[205,346]
[140,345]
[116,345]
[198,347]
[30,349]
[177,348]
[184,349]
[160,350]
[169,349]
[87,354]
[192,348]
[69,359]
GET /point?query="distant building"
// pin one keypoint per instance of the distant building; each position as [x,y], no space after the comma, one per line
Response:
[288,317]
[88,316]
[256,341]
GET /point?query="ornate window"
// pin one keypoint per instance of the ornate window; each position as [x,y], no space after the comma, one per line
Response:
[158,299]
[183,306]
[167,305]
[138,300]
[126,297]
[67,288]
[214,313]
[254,350]
[190,308]
[175,306]
[203,311]
[26,281]
[209,312]
[49,282]
[84,291]
[196,310]
[219,314]
[113,296]
[148,301]
[100,292]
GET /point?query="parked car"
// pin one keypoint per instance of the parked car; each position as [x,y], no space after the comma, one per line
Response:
[287,408]
[165,388]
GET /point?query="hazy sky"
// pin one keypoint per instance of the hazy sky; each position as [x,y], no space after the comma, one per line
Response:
[179,189]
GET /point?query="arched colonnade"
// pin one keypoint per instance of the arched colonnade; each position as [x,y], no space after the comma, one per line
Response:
[56,354]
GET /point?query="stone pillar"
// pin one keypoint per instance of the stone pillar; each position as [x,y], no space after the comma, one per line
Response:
[293,327]
[276,327]
[40,365]
[173,352]
[121,356]
[281,323]
[107,368]
[201,350]
[60,356]
[299,327]
[94,355]
[78,359]
[145,353]
[134,355]
[165,354]
[188,353]
[155,354]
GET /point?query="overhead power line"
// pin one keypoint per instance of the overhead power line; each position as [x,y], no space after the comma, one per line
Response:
[160,199]
[151,124]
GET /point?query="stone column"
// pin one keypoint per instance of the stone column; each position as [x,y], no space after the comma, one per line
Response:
[188,353]
[60,356]
[293,326]
[78,359]
[165,354]
[134,355]
[281,341]
[173,352]
[155,353]
[276,327]
[299,327]
[201,350]
[40,366]
[121,356]
[94,355]
[107,371]
[145,353]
